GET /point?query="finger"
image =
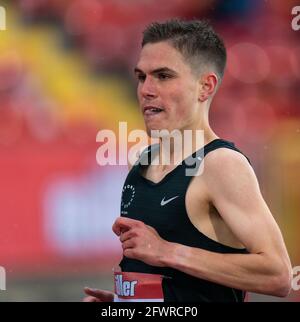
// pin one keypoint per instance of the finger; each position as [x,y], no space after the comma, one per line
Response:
[119,227]
[105,296]
[90,299]
[130,253]
[127,235]
[128,244]
[130,221]
[123,224]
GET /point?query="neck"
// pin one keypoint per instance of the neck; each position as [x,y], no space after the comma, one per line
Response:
[182,143]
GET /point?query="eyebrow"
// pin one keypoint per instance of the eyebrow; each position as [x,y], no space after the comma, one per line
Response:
[156,71]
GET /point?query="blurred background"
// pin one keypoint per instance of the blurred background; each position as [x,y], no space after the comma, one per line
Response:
[66,72]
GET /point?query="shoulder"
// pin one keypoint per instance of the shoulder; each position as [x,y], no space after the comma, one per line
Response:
[222,159]
[228,170]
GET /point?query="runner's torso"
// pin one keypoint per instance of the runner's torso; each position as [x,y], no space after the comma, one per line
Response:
[174,206]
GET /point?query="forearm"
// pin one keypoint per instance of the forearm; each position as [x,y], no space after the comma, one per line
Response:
[249,272]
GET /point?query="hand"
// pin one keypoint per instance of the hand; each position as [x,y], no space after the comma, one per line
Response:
[140,241]
[95,295]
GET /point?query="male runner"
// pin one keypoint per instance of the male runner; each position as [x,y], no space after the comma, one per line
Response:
[213,233]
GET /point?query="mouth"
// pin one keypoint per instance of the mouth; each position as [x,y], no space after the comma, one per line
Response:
[152,110]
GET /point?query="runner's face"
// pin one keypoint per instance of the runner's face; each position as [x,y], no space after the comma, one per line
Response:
[167,89]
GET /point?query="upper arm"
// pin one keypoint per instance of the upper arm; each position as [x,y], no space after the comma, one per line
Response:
[233,189]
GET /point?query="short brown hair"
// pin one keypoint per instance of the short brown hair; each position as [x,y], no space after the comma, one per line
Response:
[196,40]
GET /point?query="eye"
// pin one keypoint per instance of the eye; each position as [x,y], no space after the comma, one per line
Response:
[141,77]
[163,76]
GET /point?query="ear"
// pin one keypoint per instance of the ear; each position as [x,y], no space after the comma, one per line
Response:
[207,86]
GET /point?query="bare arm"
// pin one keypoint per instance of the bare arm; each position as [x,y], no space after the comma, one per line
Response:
[234,191]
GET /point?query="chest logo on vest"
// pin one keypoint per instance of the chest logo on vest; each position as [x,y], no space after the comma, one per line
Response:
[128,194]
[164,202]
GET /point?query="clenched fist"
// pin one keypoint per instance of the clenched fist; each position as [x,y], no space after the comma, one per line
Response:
[141,242]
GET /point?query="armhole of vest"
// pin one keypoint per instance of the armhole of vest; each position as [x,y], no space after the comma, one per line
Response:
[237,150]
[228,146]
[142,154]
[146,153]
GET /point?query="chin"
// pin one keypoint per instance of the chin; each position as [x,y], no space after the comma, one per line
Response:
[157,135]
[155,125]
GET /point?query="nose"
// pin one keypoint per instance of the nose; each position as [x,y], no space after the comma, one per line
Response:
[148,89]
